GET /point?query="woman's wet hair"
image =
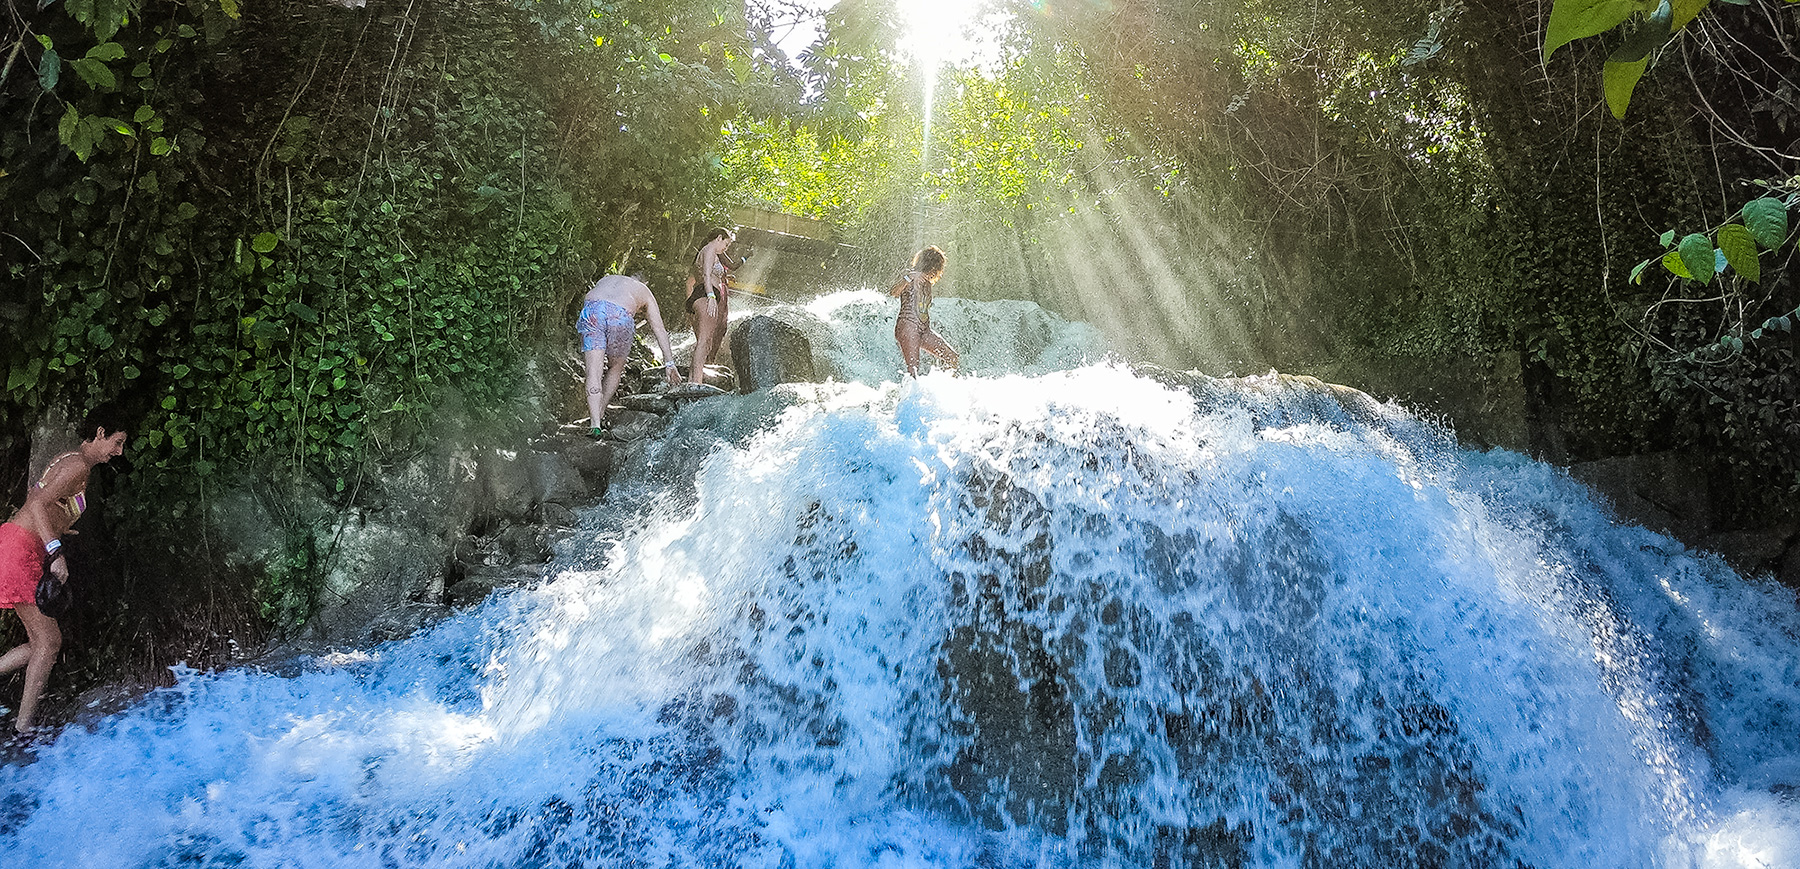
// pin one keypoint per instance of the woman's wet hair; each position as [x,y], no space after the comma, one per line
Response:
[717,233]
[109,416]
[929,261]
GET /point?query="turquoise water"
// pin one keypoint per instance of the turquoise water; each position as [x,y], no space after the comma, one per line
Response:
[1077,616]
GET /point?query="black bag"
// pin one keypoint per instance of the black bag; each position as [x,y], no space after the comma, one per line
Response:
[53,596]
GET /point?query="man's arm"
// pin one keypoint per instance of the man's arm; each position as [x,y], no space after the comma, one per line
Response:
[654,315]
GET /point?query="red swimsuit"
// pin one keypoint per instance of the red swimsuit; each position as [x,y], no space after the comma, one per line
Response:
[21,565]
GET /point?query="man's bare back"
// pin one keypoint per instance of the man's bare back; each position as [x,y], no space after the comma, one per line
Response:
[629,293]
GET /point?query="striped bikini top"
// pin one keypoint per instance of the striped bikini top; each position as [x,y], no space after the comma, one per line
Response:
[72,504]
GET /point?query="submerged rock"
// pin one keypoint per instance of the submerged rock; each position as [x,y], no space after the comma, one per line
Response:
[648,402]
[687,391]
[635,425]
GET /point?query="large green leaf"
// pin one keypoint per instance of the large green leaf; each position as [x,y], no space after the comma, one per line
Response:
[1620,80]
[1767,220]
[1740,251]
[109,16]
[1574,19]
[49,70]
[265,242]
[65,128]
[1672,262]
[95,73]
[1697,254]
[1644,37]
[1686,10]
[106,51]
[25,377]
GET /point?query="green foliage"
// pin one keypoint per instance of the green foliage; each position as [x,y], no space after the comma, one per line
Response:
[1645,25]
[1739,248]
[1619,79]
[1696,259]
[289,286]
[1767,220]
[1577,19]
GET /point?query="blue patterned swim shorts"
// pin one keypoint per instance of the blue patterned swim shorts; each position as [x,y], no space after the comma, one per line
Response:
[605,326]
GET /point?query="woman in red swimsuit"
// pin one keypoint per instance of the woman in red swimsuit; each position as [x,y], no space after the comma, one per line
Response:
[31,538]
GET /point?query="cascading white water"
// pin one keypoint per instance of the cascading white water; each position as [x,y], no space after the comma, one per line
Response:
[1085,617]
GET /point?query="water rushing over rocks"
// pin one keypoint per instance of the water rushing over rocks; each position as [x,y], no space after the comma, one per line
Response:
[1081,617]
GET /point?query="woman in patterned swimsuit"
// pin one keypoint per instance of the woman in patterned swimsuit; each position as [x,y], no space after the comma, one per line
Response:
[32,537]
[913,328]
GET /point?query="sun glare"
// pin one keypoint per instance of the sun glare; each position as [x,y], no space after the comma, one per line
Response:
[939,30]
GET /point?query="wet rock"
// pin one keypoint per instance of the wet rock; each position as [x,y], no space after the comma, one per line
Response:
[720,376]
[403,621]
[556,480]
[689,391]
[648,403]
[593,460]
[524,544]
[767,351]
[1753,552]
[636,425]
[506,483]
[1484,393]
[1665,492]
[472,551]
[477,584]
[374,564]
[559,519]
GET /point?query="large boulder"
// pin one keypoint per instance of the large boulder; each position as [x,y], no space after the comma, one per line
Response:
[557,480]
[766,351]
[1665,492]
[1755,551]
[506,485]
[1485,394]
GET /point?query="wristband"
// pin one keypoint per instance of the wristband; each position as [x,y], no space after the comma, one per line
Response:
[52,551]
[669,365]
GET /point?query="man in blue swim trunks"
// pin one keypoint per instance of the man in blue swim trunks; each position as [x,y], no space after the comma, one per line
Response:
[606,329]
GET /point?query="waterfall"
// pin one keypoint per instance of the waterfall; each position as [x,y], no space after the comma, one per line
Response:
[1055,611]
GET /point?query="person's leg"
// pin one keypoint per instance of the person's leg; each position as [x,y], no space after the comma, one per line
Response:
[44,639]
[706,324]
[15,657]
[615,372]
[715,324]
[906,334]
[596,385]
[937,346]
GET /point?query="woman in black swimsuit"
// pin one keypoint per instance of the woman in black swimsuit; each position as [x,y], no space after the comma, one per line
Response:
[708,298]
[913,328]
